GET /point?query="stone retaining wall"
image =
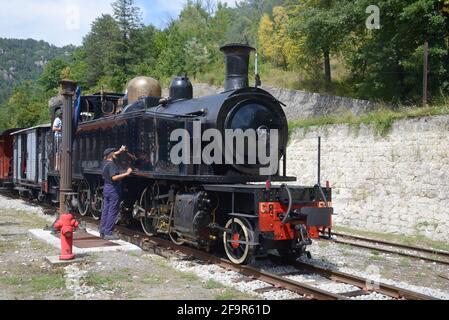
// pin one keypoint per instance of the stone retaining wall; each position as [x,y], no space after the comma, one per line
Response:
[397,184]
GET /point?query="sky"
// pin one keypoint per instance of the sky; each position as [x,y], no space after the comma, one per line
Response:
[64,22]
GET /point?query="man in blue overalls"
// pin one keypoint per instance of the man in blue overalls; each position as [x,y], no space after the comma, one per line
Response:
[111,192]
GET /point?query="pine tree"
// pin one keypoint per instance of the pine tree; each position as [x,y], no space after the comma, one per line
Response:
[100,47]
[129,20]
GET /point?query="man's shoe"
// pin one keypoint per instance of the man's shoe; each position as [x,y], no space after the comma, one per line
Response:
[110,237]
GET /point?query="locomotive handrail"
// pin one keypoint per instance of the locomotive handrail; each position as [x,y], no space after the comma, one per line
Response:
[322,194]
[290,202]
[257,93]
[145,111]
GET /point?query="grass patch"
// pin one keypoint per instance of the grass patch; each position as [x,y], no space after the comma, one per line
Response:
[40,246]
[382,119]
[418,240]
[33,280]
[43,283]
[27,219]
[134,254]
[376,257]
[105,281]
[323,244]
[189,276]
[157,260]
[8,246]
[152,280]
[232,294]
[405,262]
[227,294]
[212,284]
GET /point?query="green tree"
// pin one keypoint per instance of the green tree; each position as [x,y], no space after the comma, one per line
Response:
[171,60]
[321,24]
[275,42]
[79,67]
[26,107]
[99,46]
[52,74]
[387,63]
[129,20]
[147,51]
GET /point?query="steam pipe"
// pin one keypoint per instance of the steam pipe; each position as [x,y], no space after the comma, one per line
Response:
[65,186]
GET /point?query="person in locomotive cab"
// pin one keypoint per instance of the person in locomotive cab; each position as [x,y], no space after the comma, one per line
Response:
[57,129]
[111,192]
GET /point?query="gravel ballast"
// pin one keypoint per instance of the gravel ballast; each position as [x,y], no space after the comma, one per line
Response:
[329,255]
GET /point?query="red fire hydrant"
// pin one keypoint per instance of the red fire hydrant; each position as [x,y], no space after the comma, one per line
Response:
[67,225]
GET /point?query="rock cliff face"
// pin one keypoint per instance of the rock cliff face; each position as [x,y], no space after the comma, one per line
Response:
[397,184]
[22,60]
[301,104]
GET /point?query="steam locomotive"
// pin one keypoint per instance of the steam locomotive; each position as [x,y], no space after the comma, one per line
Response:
[224,204]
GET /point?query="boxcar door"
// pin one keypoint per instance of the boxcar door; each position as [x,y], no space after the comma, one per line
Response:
[16,159]
[21,159]
[2,157]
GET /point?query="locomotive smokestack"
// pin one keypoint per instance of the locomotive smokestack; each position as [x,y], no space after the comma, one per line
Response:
[237,64]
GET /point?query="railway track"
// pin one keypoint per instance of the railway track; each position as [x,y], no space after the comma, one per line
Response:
[167,249]
[429,255]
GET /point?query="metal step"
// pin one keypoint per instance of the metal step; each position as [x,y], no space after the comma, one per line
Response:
[22,189]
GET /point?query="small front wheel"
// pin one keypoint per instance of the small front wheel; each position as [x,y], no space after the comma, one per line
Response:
[84,198]
[239,244]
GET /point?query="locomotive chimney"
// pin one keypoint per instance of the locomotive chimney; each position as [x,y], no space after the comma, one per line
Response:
[237,63]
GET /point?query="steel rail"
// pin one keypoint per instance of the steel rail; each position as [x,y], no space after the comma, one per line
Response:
[393,244]
[309,292]
[277,281]
[385,250]
[362,283]
[167,248]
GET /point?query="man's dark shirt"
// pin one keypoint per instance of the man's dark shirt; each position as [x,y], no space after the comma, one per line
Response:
[110,169]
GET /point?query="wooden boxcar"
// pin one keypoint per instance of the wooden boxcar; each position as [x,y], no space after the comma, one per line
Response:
[6,158]
[30,167]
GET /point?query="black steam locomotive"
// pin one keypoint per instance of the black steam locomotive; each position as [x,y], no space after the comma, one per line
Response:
[208,205]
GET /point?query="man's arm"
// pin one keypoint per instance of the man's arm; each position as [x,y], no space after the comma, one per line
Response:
[120,151]
[57,125]
[122,176]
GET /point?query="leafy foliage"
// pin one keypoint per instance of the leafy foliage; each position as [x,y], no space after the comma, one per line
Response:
[315,45]
[22,60]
